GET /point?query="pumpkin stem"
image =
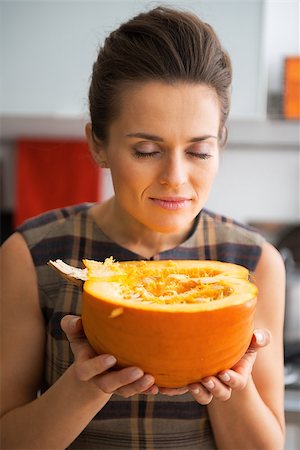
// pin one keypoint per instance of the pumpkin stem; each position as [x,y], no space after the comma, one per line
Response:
[70,273]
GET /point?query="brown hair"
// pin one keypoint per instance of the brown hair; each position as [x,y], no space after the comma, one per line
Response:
[164,45]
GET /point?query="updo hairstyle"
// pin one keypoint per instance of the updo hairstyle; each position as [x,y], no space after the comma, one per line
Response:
[163,45]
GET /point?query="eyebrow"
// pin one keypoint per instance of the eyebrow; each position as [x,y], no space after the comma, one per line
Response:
[153,137]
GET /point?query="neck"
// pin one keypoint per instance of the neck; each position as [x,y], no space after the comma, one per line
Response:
[123,229]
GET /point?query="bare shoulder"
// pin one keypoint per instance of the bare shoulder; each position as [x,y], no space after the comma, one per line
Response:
[15,255]
[22,326]
[270,262]
[270,280]
[19,282]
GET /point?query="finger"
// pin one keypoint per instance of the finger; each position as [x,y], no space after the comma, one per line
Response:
[91,367]
[153,390]
[142,386]
[72,327]
[237,377]
[233,380]
[245,364]
[115,380]
[218,389]
[261,338]
[173,391]
[200,393]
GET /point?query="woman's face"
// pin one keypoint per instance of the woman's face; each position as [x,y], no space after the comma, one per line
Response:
[163,153]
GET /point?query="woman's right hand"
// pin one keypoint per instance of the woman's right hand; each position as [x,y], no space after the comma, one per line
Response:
[95,368]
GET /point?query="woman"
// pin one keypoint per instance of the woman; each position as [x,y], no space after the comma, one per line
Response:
[159,100]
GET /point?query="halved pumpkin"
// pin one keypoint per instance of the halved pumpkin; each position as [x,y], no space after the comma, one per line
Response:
[178,320]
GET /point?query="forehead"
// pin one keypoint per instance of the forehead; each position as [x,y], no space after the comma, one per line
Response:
[167,108]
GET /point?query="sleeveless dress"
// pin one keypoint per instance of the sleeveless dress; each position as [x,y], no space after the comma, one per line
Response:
[142,421]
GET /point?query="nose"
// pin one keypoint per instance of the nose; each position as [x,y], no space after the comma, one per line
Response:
[174,171]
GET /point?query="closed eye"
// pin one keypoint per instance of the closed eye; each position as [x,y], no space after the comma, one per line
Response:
[139,154]
[146,149]
[200,155]
[201,150]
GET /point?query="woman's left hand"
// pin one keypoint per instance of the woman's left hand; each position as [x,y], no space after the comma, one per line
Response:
[221,385]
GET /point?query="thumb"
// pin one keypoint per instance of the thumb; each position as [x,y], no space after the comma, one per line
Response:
[71,325]
[261,338]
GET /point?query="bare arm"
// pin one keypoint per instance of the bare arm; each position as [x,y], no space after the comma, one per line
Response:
[253,417]
[58,416]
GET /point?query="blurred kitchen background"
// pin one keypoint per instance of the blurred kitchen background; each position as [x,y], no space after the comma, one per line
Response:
[46,53]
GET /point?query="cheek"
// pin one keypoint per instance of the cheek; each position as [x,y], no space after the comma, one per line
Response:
[127,177]
[213,170]
[206,174]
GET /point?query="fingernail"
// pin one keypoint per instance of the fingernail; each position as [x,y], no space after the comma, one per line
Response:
[259,336]
[154,390]
[146,380]
[136,373]
[74,322]
[224,376]
[195,391]
[209,384]
[110,360]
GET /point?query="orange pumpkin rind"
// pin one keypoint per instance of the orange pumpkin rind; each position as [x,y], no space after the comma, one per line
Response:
[178,320]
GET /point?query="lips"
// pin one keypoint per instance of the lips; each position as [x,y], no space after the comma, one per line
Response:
[171,203]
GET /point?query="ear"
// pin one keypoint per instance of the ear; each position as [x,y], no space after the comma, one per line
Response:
[223,137]
[96,147]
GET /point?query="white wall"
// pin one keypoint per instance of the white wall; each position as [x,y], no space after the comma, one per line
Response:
[258,184]
[282,37]
[48,48]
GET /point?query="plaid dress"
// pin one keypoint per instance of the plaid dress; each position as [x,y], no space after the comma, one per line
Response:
[142,421]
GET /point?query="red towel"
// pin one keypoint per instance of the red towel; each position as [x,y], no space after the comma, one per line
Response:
[52,174]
